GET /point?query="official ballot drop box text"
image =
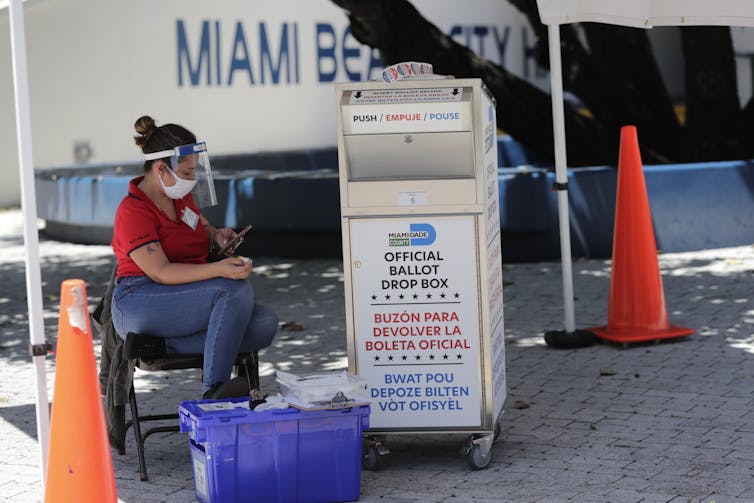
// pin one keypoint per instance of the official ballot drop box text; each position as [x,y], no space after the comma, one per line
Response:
[421,252]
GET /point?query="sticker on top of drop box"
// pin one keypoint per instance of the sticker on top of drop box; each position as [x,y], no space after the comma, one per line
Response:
[421,95]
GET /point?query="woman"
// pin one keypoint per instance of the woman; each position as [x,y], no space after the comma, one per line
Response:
[165,285]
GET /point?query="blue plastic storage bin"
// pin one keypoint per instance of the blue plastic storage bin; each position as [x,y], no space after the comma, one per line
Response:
[285,455]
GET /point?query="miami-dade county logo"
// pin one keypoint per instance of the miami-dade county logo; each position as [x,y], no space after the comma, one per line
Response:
[417,235]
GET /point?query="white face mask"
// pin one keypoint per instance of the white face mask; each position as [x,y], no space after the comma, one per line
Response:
[180,189]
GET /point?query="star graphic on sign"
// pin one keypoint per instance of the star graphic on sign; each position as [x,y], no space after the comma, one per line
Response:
[418,357]
[416,296]
[456,295]
[376,358]
[387,297]
[429,295]
[442,295]
[390,357]
[459,356]
[444,357]
[431,357]
[404,357]
[374,297]
[400,296]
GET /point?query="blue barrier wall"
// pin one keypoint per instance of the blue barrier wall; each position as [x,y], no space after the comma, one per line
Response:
[292,200]
[694,206]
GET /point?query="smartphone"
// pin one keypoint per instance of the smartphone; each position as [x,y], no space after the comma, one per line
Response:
[231,245]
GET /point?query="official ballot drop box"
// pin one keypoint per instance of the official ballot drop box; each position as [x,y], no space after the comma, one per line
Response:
[421,252]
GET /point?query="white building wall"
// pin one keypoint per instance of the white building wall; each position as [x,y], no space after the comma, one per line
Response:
[96,65]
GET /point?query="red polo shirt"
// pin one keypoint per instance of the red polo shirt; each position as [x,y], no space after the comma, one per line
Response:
[139,221]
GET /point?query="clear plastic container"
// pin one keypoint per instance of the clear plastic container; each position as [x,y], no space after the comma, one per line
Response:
[322,389]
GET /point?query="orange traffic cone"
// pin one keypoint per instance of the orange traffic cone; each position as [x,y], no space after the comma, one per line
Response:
[636,311]
[79,464]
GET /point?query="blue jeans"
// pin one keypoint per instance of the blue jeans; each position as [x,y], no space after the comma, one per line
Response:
[215,317]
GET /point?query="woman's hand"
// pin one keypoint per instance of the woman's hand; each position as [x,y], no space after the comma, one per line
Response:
[234,267]
[223,236]
[152,260]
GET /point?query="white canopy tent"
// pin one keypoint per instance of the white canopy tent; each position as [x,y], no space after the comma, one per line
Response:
[635,13]
[38,344]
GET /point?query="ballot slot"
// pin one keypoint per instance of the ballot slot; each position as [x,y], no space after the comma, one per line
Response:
[410,156]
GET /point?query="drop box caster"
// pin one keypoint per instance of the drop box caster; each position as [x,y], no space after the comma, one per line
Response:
[479,451]
[373,453]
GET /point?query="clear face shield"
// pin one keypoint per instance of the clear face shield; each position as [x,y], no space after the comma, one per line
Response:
[191,162]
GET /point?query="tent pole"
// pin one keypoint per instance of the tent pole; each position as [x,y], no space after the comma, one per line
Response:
[29,210]
[561,174]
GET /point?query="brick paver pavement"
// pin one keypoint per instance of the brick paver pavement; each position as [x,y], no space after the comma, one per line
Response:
[668,422]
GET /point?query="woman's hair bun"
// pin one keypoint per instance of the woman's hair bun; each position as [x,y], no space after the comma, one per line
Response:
[145,126]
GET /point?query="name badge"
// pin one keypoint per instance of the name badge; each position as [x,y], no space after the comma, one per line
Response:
[190,218]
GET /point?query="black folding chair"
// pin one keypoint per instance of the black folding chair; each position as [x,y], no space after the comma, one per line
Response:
[246,364]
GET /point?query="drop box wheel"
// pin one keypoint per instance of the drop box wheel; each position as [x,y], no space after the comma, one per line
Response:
[372,459]
[477,459]
[479,451]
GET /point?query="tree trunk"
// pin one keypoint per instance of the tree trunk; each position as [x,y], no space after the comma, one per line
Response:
[622,85]
[715,126]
